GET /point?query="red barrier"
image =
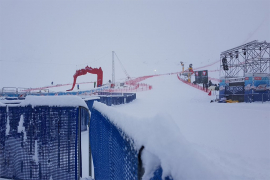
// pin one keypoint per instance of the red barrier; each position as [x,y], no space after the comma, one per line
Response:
[86,70]
[131,82]
[138,79]
[193,85]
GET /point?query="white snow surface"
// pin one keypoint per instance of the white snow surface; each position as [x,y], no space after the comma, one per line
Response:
[21,128]
[3,102]
[54,101]
[91,98]
[192,138]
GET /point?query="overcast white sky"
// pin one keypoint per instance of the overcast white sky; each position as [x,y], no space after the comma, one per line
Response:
[44,41]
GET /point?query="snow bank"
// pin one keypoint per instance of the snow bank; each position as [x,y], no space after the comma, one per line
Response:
[53,101]
[164,145]
[234,138]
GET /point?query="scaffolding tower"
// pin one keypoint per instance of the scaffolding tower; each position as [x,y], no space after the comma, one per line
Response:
[252,57]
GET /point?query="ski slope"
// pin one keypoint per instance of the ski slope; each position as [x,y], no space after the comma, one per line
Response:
[189,136]
[227,141]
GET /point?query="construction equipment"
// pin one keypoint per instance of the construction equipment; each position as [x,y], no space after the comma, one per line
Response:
[187,72]
[86,70]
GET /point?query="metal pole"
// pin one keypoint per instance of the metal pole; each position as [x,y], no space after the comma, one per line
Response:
[113,73]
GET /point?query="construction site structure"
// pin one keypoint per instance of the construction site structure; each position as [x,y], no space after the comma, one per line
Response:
[245,72]
[252,57]
[80,72]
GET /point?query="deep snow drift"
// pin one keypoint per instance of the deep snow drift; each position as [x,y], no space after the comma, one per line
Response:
[196,139]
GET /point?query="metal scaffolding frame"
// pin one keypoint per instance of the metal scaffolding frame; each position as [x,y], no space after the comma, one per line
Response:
[252,57]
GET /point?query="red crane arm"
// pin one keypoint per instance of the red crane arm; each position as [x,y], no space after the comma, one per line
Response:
[86,70]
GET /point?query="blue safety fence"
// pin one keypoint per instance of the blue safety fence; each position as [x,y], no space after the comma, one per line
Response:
[110,93]
[114,156]
[129,97]
[41,142]
[249,97]
[259,97]
[116,98]
[105,97]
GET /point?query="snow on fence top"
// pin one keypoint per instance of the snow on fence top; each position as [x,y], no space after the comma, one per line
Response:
[91,98]
[60,101]
[165,146]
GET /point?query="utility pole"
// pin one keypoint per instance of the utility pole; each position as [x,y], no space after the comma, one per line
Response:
[113,72]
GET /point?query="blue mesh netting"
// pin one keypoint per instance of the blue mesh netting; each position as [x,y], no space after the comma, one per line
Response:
[113,153]
[56,132]
[90,103]
[114,156]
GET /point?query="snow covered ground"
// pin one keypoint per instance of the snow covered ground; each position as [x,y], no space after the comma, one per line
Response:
[222,141]
[189,136]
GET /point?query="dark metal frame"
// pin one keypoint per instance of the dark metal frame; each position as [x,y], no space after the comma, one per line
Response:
[252,57]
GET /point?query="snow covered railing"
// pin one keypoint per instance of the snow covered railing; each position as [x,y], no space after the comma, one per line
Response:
[117,154]
[132,88]
[85,93]
[40,138]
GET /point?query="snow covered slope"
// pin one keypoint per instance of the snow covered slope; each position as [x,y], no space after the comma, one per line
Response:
[233,138]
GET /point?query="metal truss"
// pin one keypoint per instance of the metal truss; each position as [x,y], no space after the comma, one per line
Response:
[252,57]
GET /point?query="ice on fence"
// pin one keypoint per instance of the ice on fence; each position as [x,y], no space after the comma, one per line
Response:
[21,128]
[7,125]
[35,156]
